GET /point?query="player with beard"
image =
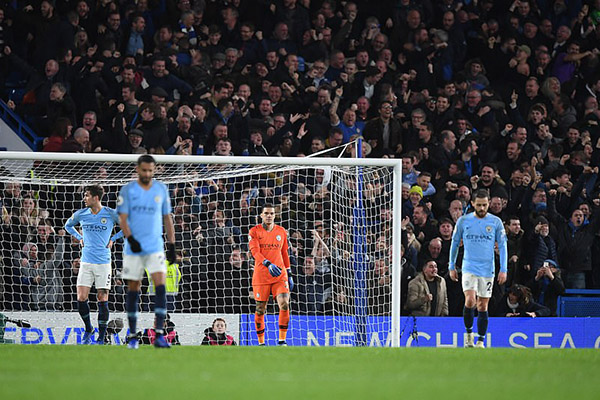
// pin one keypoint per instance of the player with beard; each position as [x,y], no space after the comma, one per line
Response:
[479,232]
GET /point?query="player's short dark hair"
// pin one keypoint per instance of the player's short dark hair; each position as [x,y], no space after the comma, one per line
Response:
[146,158]
[267,205]
[95,190]
[482,194]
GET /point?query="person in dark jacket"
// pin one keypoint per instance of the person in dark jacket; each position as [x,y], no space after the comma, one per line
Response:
[518,302]
[547,285]
[384,132]
[541,246]
[155,133]
[574,237]
[216,335]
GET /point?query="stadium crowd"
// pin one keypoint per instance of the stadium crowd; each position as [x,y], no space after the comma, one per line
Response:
[471,94]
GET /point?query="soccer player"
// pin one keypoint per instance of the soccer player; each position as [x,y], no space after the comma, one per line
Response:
[269,247]
[479,232]
[97,223]
[144,206]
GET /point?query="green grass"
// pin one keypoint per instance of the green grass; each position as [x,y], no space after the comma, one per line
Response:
[93,372]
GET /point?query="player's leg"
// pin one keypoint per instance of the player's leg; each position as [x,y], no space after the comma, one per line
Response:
[131,303]
[158,273]
[469,285]
[103,314]
[484,292]
[83,308]
[283,300]
[85,280]
[260,292]
[133,272]
[160,300]
[103,284]
[281,292]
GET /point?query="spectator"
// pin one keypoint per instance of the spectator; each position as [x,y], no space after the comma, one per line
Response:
[518,302]
[149,334]
[547,285]
[216,335]
[384,133]
[427,294]
[313,288]
[79,143]
[574,240]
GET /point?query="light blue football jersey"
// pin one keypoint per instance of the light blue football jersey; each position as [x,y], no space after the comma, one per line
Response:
[97,230]
[145,210]
[479,236]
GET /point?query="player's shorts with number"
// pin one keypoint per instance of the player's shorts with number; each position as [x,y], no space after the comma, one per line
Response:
[483,286]
[134,266]
[262,292]
[94,274]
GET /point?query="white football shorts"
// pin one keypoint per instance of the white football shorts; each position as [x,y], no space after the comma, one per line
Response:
[134,265]
[98,274]
[483,286]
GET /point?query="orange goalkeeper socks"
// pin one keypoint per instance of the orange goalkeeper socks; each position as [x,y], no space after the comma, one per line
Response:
[259,323]
[284,320]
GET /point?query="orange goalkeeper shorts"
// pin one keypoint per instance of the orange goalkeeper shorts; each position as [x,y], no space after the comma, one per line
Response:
[262,292]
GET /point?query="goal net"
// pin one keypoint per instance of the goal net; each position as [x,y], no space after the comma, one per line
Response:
[342,218]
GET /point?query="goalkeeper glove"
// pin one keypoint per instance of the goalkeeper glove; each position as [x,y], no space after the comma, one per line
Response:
[274,270]
[171,254]
[134,244]
[290,282]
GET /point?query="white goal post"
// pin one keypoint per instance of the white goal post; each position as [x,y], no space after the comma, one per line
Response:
[356,201]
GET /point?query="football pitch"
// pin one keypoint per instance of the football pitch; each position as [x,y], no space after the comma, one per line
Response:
[114,372]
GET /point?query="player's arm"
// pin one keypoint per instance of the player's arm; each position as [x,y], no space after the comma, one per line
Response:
[70,226]
[133,243]
[503,247]
[286,260]
[123,210]
[456,238]
[285,252]
[170,228]
[254,246]
[119,234]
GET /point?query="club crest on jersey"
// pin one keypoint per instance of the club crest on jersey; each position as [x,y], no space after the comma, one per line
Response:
[120,200]
[103,220]
[278,237]
[157,199]
[488,229]
[258,295]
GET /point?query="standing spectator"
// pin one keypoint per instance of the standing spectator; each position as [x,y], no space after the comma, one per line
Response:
[384,133]
[380,287]
[574,239]
[516,243]
[427,293]
[312,288]
[547,285]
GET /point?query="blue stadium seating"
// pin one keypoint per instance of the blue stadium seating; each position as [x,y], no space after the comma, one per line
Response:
[579,303]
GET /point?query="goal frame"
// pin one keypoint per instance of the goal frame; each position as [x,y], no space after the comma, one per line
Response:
[396,164]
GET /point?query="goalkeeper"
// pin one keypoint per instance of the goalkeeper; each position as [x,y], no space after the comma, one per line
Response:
[269,247]
[97,224]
